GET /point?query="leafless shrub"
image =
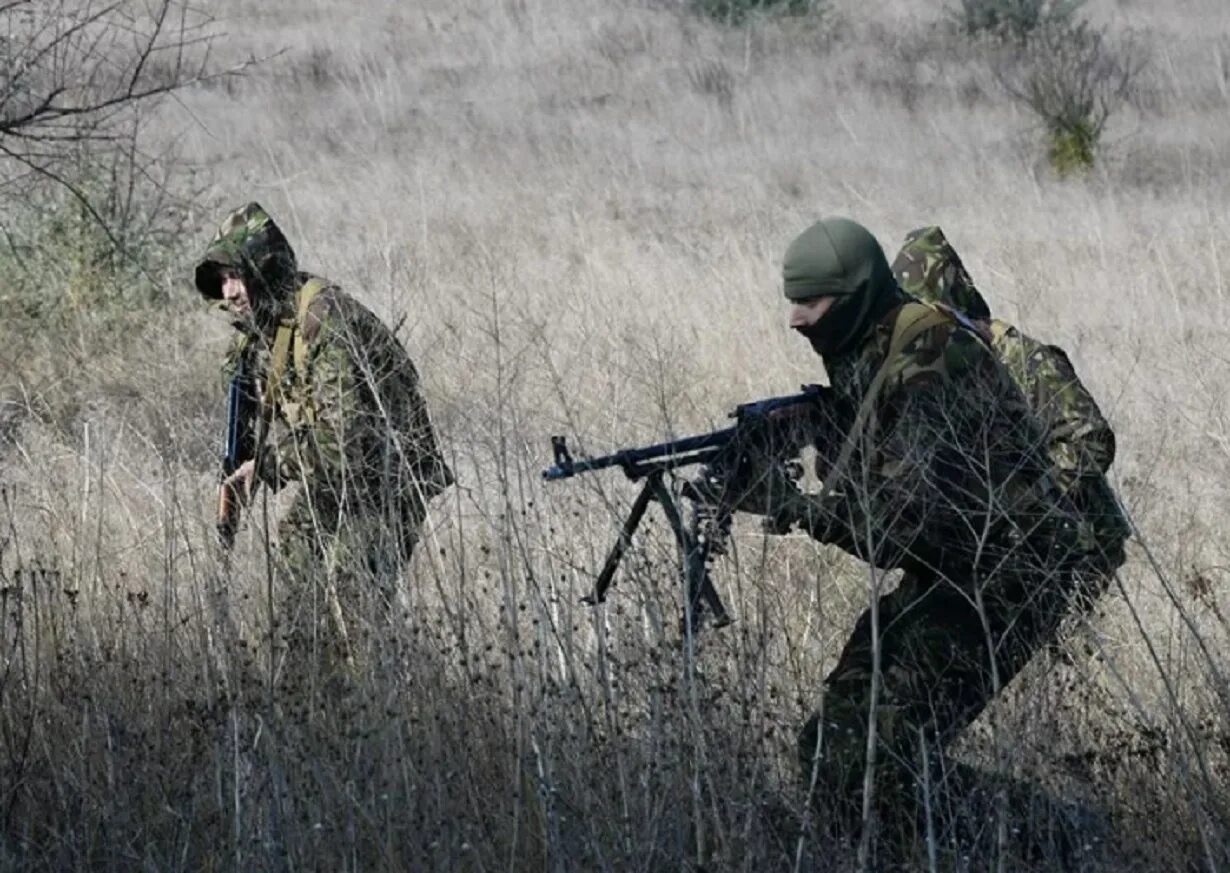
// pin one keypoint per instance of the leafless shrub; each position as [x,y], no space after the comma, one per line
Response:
[1073,79]
[75,78]
[97,197]
[734,12]
[1222,67]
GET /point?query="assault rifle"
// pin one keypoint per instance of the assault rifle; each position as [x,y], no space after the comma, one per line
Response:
[766,431]
[241,421]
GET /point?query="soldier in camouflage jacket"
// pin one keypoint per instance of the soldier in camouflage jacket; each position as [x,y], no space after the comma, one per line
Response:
[943,473]
[343,418]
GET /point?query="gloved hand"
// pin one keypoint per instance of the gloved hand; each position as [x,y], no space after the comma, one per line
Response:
[769,489]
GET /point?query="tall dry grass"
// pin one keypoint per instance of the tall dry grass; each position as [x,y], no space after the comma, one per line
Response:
[579,208]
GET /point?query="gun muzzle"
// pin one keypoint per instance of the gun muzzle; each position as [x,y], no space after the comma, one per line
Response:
[563,466]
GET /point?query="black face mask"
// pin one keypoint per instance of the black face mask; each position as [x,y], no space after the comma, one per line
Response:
[816,335]
[838,328]
[841,328]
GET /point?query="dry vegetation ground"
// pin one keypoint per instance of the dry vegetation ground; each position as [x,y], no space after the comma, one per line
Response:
[580,207]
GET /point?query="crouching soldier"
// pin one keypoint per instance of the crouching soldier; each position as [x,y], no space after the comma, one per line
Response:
[338,411]
[942,473]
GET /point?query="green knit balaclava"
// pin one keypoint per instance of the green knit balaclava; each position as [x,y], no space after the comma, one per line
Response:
[839,258]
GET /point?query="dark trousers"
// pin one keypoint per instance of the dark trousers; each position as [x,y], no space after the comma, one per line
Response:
[946,646]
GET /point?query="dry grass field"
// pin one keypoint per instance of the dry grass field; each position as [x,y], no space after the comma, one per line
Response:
[576,210]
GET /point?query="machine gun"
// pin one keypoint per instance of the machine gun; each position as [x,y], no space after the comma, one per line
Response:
[765,431]
[242,419]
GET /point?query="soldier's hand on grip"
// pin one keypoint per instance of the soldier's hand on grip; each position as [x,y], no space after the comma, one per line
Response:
[764,488]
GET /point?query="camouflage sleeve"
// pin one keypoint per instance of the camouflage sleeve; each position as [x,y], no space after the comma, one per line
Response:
[939,461]
[418,447]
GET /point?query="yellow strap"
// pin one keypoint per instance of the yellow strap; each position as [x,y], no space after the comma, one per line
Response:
[277,363]
[290,333]
[912,320]
[307,294]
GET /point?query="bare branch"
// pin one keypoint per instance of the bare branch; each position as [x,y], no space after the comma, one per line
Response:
[76,77]
[80,196]
[1073,78]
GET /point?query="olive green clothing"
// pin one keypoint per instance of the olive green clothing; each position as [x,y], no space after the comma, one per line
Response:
[941,659]
[948,449]
[352,427]
[836,257]
[347,419]
[946,481]
[337,587]
[833,257]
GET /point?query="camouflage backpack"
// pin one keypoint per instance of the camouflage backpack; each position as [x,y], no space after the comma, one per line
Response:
[1080,443]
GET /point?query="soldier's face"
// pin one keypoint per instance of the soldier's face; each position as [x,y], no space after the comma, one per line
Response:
[235,293]
[805,313]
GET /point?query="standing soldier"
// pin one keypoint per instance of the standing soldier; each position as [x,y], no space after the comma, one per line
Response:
[1079,441]
[942,473]
[339,412]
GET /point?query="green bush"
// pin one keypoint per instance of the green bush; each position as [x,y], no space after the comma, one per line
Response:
[61,267]
[1015,20]
[738,11]
[1071,149]
[87,307]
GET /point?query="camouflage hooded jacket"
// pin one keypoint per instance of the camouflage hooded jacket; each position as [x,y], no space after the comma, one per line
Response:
[352,426]
[1079,441]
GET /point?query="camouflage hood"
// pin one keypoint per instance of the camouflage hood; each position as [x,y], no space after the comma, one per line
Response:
[840,258]
[928,268]
[250,241]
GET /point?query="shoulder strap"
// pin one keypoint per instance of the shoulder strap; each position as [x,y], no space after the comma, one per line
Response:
[290,333]
[311,288]
[912,320]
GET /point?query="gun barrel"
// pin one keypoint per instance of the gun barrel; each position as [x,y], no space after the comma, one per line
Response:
[631,460]
[638,462]
[240,407]
[233,425]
